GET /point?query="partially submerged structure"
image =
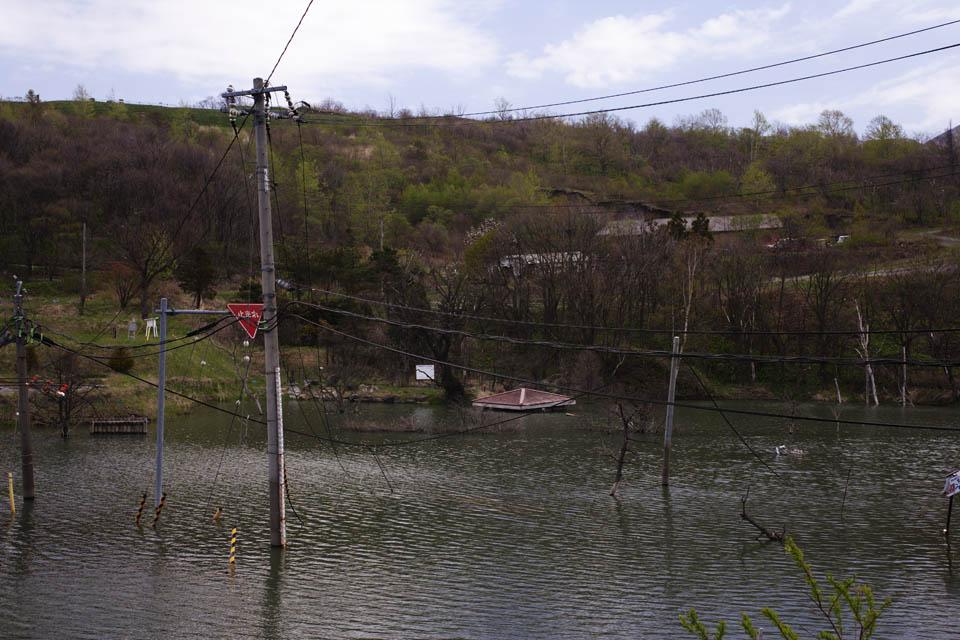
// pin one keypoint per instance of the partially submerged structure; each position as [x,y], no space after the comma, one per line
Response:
[524,399]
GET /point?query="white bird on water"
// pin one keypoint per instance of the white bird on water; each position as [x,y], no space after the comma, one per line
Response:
[784,450]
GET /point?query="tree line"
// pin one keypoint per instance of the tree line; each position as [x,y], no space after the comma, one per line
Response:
[513,220]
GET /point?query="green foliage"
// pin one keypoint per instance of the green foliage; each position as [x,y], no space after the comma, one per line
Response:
[865,239]
[691,622]
[699,227]
[677,227]
[249,291]
[480,255]
[757,181]
[697,184]
[120,360]
[197,273]
[848,598]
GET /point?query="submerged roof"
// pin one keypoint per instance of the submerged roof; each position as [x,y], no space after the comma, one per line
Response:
[523,399]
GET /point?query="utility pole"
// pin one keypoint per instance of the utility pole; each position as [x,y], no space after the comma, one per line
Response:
[23,407]
[671,396]
[165,311]
[271,342]
[83,272]
[161,402]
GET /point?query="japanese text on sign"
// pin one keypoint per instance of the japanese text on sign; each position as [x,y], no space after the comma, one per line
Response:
[952,485]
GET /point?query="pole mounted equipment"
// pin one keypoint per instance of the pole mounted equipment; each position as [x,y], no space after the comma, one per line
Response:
[23,406]
[271,344]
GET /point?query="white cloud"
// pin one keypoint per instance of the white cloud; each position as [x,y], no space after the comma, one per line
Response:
[619,49]
[923,99]
[853,8]
[365,41]
[934,15]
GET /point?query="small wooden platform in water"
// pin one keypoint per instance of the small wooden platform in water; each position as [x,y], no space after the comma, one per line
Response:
[130,424]
[524,399]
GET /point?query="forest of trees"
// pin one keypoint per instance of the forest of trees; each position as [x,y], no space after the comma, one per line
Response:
[510,219]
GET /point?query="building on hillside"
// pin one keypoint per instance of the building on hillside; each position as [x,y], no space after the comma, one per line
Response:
[718,224]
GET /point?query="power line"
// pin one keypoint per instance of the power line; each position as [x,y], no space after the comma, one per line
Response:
[554,325]
[763,414]
[832,186]
[148,345]
[277,63]
[842,362]
[581,392]
[767,85]
[707,79]
[206,184]
[50,343]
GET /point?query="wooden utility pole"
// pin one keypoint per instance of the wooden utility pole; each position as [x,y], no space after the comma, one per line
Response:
[271,342]
[23,407]
[671,395]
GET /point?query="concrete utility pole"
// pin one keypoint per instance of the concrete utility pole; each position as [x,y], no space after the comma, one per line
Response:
[271,342]
[83,276]
[23,407]
[161,402]
[671,396]
[166,310]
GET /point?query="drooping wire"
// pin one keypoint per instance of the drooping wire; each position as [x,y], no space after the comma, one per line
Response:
[766,85]
[833,187]
[555,325]
[295,29]
[46,341]
[730,424]
[708,79]
[630,352]
[613,396]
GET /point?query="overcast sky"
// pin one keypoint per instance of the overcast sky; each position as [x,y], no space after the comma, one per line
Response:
[462,55]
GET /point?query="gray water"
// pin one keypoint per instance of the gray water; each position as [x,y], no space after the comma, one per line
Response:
[509,534]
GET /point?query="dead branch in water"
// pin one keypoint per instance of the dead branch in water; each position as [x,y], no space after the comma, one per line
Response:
[769,534]
[635,422]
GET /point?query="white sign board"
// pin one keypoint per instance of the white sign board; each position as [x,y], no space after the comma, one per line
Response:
[425,372]
[953,484]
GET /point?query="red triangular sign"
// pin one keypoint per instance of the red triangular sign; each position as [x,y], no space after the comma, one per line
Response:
[248,314]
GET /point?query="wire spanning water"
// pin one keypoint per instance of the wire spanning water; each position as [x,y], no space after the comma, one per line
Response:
[504,535]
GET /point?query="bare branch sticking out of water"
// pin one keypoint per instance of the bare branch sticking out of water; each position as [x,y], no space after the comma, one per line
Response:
[770,534]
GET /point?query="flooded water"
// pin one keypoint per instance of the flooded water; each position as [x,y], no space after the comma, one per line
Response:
[489,535]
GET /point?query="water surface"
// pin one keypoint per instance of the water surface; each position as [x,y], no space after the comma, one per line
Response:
[510,534]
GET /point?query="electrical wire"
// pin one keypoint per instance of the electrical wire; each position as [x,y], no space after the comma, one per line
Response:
[843,362]
[530,323]
[730,424]
[295,29]
[787,192]
[613,396]
[193,334]
[147,345]
[767,85]
[707,79]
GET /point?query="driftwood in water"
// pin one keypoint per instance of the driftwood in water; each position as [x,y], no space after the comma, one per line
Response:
[769,534]
[635,422]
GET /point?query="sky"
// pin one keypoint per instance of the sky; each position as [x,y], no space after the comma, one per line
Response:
[463,56]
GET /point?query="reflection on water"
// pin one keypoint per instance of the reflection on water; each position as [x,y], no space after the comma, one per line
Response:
[503,535]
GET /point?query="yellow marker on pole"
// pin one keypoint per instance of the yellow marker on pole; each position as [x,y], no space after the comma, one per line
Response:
[13,504]
[143,500]
[233,548]
[163,498]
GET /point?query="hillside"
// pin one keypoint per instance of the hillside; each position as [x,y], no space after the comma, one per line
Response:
[514,224]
